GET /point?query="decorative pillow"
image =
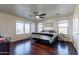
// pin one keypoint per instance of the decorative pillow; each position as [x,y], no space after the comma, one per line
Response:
[2,40]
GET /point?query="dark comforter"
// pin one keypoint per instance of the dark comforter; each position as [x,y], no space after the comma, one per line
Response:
[47,34]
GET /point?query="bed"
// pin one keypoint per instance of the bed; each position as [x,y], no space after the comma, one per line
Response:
[45,35]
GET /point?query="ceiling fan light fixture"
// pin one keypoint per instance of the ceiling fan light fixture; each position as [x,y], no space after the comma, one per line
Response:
[37,17]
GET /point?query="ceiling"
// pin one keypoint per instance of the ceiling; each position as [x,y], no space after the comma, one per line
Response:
[24,10]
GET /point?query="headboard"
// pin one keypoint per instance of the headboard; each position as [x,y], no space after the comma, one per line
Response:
[50,31]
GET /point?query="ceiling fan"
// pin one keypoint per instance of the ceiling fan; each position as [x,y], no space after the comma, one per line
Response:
[37,15]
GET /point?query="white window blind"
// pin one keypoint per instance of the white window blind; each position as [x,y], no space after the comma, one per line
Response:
[27,27]
[63,26]
[40,27]
[19,27]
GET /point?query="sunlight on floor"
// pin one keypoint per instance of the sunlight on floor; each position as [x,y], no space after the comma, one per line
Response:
[62,50]
[23,49]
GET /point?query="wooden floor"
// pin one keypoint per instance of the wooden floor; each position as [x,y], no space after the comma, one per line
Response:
[30,47]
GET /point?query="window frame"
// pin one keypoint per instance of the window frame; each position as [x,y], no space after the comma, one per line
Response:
[62,22]
[32,25]
[40,26]
[18,21]
[17,25]
[29,27]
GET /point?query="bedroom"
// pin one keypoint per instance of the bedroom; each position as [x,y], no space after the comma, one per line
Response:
[18,22]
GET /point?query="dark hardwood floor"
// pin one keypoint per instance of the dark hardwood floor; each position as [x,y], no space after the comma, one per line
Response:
[5,48]
[31,47]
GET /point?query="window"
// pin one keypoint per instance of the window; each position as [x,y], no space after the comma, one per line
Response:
[22,27]
[27,27]
[40,27]
[63,26]
[19,27]
[32,27]
[75,25]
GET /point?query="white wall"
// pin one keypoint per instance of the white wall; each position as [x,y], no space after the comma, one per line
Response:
[53,22]
[8,26]
[76,28]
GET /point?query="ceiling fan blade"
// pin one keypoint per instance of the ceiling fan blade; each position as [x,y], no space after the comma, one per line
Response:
[42,14]
[36,13]
[41,17]
[32,15]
